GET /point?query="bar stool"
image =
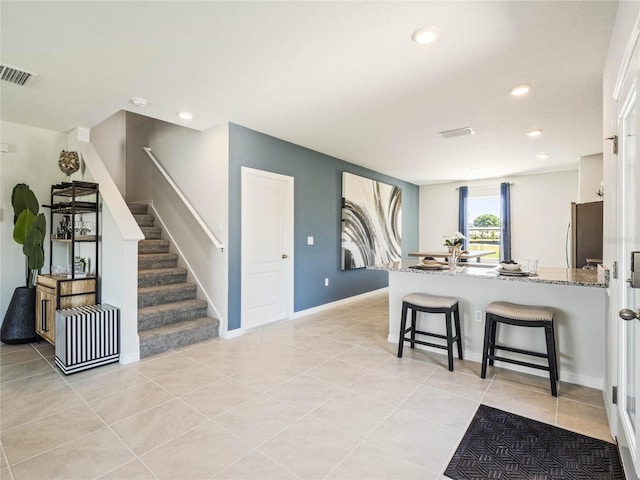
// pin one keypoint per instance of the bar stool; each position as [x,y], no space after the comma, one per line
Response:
[522,316]
[421,302]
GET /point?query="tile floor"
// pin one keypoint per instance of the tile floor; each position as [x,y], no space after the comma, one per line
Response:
[318,397]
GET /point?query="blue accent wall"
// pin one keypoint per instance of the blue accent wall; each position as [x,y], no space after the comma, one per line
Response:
[317,212]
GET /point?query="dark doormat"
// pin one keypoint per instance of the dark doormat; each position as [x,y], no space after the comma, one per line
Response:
[505,446]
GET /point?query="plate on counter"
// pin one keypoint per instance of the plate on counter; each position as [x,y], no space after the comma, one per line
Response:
[512,273]
[434,266]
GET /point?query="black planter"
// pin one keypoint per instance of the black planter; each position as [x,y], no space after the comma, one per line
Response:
[19,325]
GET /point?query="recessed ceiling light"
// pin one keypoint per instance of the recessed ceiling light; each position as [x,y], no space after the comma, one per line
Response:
[185,115]
[520,90]
[139,101]
[534,133]
[542,156]
[425,35]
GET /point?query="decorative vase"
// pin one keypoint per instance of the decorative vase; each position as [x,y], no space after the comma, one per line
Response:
[451,248]
[19,324]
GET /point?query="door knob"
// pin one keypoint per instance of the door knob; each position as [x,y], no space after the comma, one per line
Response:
[284,255]
[628,314]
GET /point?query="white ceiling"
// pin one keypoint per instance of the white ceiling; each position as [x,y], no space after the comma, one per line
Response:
[342,78]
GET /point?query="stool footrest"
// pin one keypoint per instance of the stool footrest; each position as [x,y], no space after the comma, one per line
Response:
[519,362]
[429,344]
[518,350]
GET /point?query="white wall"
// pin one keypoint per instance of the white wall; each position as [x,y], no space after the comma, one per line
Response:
[589,178]
[32,159]
[109,140]
[540,205]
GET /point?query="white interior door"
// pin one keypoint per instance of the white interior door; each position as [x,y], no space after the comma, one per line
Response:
[267,247]
[628,297]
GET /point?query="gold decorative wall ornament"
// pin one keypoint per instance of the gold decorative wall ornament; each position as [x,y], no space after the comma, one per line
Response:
[69,162]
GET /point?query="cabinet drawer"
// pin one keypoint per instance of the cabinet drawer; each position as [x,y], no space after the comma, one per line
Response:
[74,287]
[77,300]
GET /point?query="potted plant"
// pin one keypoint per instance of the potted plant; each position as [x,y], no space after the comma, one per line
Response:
[29,230]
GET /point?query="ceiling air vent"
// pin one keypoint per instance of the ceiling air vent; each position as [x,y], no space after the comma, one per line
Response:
[458,132]
[15,75]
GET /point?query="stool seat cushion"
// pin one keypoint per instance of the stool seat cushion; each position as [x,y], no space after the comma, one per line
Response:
[520,312]
[429,301]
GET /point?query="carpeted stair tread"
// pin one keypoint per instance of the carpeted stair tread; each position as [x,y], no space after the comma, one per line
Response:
[144,220]
[159,294]
[161,276]
[149,261]
[161,339]
[151,233]
[157,245]
[138,208]
[158,315]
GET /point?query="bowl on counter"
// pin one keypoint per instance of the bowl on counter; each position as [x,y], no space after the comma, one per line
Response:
[511,267]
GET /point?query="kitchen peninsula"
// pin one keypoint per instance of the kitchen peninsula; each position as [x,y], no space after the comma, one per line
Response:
[578,297]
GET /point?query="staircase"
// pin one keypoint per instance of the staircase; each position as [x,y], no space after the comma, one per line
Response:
[169,314]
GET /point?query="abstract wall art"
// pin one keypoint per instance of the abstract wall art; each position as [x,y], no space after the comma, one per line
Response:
[371,222]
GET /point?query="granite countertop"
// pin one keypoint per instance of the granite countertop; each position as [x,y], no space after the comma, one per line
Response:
[550,275]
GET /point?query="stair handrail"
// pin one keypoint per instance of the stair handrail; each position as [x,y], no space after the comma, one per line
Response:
[219,245]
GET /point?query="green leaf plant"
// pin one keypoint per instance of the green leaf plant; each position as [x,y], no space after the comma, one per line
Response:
[29,229]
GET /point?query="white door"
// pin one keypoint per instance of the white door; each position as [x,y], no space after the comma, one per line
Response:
[628,297]
[267,247]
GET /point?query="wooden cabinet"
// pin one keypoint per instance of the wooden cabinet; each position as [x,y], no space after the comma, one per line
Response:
[55,292]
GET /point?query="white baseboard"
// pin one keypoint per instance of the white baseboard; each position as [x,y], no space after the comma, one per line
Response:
[129,358]
[227,334]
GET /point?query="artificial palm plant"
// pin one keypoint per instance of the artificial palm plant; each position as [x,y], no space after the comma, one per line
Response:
[29,229]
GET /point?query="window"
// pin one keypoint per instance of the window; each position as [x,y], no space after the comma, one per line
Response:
[484,225]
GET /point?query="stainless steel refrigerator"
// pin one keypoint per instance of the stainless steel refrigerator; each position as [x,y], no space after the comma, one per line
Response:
[586,234]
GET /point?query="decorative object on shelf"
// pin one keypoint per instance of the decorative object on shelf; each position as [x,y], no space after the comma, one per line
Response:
[69,162]
[29,229]
[600,191]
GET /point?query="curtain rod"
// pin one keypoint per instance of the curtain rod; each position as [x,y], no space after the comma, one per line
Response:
[485,186]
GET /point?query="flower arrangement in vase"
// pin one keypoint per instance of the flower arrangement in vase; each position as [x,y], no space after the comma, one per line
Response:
[454,241]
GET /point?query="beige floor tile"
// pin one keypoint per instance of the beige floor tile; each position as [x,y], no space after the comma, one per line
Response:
[134,470]
[37,366]
[19,356]
[304,393]
[258,419]
[416,440]
[33,438]
[353,413]
[256,466]
[373,464]
[364,357]
[8,348]
[219,397]
[522,401]
[470,386]
[186,380]
[328,347]
[87,457]
[113,381]
[383,388]
[264,375]
[355,335]
[230,364]
[584,419]
[32,385]
[310,448]
[299,359]
[130,401]
[337,372]
[406,369]
[17,410]
[157,426]
[578,393]
[441,407]
[191,455]
[153,367]
[538,383]
[93,372]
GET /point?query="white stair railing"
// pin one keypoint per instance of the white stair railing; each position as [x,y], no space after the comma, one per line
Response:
[219,245]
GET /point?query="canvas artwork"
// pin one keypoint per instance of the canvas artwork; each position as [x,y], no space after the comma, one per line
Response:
[371,222]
